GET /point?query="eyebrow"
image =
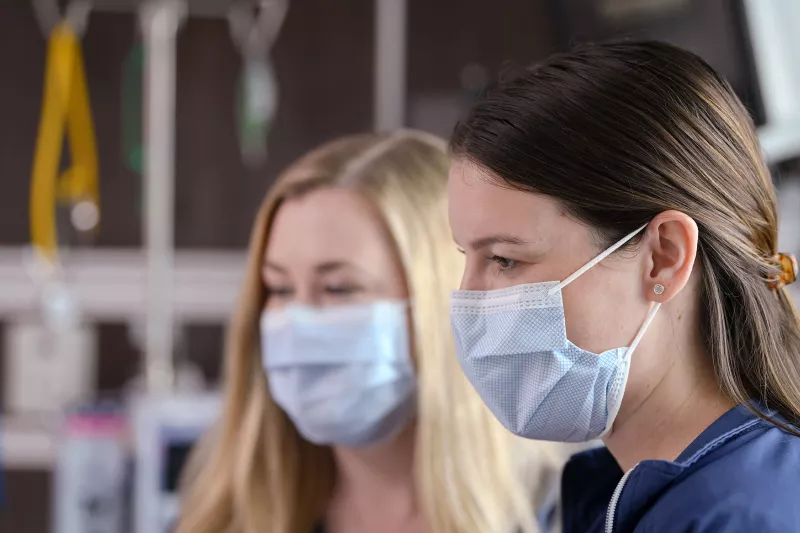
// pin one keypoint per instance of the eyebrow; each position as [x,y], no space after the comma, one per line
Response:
[322,268]
[500,238]
[331,266]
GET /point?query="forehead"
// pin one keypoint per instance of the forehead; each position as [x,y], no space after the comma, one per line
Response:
[482,205]
[327,225]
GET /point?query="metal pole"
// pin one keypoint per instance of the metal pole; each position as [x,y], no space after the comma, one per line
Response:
[390,65]
[160,21]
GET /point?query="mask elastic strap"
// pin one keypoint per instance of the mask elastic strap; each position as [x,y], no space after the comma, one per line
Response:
[654,307]
[581,271]
[614,409]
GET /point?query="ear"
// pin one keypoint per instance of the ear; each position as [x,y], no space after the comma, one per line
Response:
[670,243]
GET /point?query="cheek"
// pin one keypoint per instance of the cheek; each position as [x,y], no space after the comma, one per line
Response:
[603,311]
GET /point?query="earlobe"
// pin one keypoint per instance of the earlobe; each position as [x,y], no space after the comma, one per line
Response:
[671,241]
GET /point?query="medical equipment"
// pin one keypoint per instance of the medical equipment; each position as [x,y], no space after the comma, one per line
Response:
[57,337]
[65,110]
[166,429]
[258,91]
[91,473]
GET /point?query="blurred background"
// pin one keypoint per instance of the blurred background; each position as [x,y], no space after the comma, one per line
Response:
[110,356]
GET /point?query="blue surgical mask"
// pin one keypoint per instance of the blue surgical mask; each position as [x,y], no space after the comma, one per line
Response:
[513,347]
[342,374]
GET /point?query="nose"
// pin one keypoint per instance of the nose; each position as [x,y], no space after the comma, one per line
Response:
[307,296]
[470,281]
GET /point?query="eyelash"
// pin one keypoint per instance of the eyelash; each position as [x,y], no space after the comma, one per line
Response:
[342,290]
[503,263]
[335,290]
[280,292]
[499,260]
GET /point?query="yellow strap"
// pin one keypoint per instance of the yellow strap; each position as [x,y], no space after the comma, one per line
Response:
[65,108]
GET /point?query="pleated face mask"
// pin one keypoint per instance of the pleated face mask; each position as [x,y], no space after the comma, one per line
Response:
[512,345]
[343,374]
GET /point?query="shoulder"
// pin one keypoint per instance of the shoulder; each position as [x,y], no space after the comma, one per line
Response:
[735,513]
[750,484]
[764,464]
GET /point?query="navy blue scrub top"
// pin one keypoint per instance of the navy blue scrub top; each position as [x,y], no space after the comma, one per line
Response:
[741,475]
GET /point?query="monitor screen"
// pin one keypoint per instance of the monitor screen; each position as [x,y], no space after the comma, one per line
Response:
[714,29]
[176,454]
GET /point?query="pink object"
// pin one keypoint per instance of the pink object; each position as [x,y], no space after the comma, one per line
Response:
[95,425]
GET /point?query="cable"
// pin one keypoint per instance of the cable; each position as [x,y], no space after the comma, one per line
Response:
[65,111]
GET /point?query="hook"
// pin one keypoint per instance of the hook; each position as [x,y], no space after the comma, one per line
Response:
[76,15]
[255,33]
[254,27]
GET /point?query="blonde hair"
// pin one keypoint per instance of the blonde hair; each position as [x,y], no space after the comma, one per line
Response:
[256,474]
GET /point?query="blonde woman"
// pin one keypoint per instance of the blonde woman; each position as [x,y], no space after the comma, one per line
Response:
[345,408]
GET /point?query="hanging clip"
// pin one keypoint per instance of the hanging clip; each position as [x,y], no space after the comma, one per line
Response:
[255,34]
[255,26]
[49,15]
[65,111]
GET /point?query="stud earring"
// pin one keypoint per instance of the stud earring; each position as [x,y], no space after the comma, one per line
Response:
[658,289]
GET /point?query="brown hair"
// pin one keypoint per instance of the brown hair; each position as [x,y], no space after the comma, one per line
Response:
[257,474]
[620,132]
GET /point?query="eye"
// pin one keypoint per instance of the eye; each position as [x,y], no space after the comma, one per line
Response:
[503,262]
[461,251]
[281,292]
[342,290]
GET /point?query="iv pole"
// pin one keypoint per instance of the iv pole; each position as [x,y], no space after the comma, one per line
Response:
[160,21]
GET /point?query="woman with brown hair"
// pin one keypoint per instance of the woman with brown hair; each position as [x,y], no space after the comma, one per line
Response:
[631,175]
[345,410]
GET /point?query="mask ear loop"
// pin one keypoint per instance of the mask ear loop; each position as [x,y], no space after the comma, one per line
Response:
[654,307]
[581,271]
[614,408]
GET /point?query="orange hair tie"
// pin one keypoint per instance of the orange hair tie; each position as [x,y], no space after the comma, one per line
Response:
[789,271]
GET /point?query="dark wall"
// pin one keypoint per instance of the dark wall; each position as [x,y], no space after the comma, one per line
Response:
[453,42]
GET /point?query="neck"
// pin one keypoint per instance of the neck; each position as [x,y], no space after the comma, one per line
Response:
[377,479]
[667,413]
